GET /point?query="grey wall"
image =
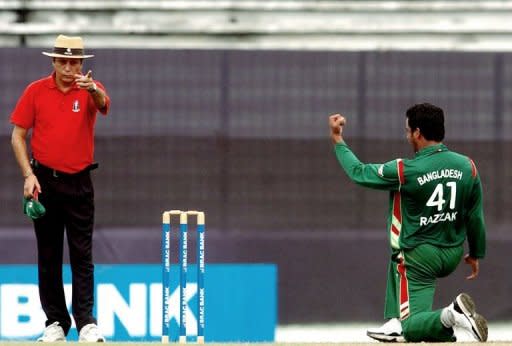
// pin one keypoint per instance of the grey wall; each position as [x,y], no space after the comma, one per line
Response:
[243,136]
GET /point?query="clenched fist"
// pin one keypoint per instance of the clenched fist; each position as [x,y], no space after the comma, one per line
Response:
[336,123]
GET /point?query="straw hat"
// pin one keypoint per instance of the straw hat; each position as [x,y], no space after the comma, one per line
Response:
[68,47]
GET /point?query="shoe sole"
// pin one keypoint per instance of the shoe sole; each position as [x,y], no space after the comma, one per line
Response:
[386,337]
[478,322]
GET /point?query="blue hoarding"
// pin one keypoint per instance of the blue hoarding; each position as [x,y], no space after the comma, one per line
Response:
[240,302]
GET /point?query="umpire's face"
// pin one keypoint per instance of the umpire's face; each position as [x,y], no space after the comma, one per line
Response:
[65,69]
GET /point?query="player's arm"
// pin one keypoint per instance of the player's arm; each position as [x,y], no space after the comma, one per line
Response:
[475,225]
[475,222]
[378,176]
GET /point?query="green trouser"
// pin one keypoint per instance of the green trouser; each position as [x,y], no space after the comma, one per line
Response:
[410,290]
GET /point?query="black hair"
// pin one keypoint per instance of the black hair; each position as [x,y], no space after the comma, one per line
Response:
[429,119]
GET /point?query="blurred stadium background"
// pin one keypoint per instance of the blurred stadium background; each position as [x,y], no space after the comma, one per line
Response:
[222,106]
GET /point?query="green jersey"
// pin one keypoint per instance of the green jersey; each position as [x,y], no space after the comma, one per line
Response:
[435,198]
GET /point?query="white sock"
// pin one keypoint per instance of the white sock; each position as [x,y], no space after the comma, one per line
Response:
[447,318]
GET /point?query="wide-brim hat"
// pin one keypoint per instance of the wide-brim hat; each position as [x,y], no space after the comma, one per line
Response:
[68,47]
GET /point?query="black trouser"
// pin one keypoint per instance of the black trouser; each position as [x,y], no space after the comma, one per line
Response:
[69,203]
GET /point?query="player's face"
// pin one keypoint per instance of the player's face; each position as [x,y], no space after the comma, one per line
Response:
[65,69]
[412,136]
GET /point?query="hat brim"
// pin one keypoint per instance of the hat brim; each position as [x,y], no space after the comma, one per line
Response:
[53,55]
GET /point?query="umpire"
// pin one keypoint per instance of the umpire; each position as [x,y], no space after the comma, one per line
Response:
[61,111]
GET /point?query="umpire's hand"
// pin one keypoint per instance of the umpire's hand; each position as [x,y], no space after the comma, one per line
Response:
[85,82]
[30,186]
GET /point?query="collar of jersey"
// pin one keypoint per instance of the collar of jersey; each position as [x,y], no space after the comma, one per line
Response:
[431,149]
[52,85]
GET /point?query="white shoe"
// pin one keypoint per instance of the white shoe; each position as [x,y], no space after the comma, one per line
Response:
[53,333]
[464,316]
[90,333]
[391,331]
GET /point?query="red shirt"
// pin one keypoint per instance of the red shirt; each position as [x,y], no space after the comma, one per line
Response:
[62,124]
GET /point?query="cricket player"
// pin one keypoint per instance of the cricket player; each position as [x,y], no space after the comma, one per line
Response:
[435,205]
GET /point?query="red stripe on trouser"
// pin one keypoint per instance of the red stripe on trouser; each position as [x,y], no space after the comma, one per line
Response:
[404,290]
